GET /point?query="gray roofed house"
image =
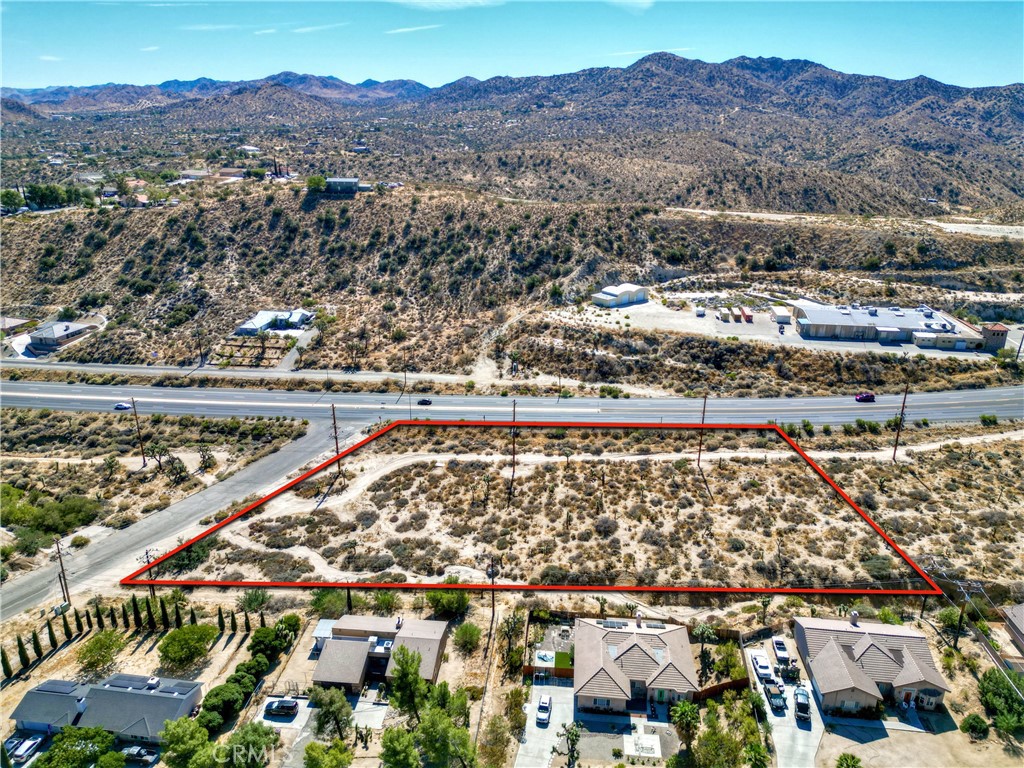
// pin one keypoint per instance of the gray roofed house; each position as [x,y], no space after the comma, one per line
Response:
[1014,616]
[132,707]
[50,336]
[50,706]
[622,665]
[342,664]
[855,666]
[360,649]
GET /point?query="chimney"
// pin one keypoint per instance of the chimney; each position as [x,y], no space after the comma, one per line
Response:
[853,617]
[398,624]
[639,616]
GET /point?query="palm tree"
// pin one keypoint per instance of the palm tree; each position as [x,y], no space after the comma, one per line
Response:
[704,633]
[686,718]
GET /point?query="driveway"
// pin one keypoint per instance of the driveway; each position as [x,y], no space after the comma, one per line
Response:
[295,732]
[535,749]
[796,741]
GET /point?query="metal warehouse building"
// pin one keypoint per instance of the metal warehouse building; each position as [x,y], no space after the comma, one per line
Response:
[922,325]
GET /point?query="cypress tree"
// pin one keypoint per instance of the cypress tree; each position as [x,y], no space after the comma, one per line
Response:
[5,759]
[51,638]
[150,619]
[136,613]
[177,616]
[88,621]
[67,627]
[248,626]
[23,654]
[79,629]
[165,620]
[220,619]
[8,672]
[263,620]
[113,617]
[37,647]
[234,623]
[192,617]
[99,619]
[124,617]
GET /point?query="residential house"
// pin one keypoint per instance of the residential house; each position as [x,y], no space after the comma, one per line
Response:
[854,666]
[194,174]
[274,320]
[360,650]
[1014,616]
[132,707]
[342,186]
[51,336]
[622,665]
[50,706]
[619,295]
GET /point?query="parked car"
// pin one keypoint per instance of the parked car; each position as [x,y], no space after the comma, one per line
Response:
[122,406]
[779,646]
[424,401]
[28,748]
[137,754]
[773,693]
[762,668]
[12,744]
[802,702]
[282,708]
[544,710]
[865,397]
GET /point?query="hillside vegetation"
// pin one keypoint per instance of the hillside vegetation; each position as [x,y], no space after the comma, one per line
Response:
[426,279]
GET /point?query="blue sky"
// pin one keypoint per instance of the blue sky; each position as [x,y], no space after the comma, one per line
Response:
[437,41]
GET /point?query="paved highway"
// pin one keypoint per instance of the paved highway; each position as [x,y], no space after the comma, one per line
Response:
[363,408]
[108,559]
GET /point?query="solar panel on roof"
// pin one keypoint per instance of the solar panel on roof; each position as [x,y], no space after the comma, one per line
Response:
[57,686]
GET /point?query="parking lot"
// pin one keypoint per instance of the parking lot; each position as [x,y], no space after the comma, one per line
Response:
[535,749]
[796,741]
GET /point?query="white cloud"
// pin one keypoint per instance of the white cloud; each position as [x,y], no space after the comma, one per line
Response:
[50,58]
[150,48]
[265,32]
[644,53]
[403,30]
[320,28]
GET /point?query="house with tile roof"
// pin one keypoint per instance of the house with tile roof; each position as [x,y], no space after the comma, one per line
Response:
[622,665]
[854,666]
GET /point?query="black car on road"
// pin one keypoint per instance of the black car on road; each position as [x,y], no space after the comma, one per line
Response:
[424,401]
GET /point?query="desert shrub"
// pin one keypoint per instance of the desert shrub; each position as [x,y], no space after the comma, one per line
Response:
[975,726]
[467,637]
[183,647]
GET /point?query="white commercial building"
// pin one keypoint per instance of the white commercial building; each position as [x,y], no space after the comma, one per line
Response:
[619,295]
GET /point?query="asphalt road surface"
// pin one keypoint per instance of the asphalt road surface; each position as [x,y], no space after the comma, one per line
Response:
[364,408]
[107,560]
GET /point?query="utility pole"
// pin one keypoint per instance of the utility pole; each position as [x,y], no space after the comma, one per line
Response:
[62,577]
[199,341]
[1018,347]
[138,430]
[700,444]
[899,421]
[147,558]
[492,573]
[337,447]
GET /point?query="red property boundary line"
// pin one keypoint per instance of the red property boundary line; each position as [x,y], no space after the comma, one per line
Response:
[133,580]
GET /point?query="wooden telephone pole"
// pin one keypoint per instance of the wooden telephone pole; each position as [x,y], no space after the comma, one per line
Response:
[899,421]
[62,577]
[337,446]
[700,443]
[138,431]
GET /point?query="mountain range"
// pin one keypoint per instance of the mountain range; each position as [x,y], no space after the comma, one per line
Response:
[764,132]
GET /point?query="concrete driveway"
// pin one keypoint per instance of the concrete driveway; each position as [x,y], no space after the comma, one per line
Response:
[535,749]
[796,741]
[295,732]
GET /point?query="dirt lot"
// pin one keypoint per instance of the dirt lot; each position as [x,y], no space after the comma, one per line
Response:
[901,749]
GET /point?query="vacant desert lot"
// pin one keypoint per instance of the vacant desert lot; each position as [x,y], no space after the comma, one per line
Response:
[578,506]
